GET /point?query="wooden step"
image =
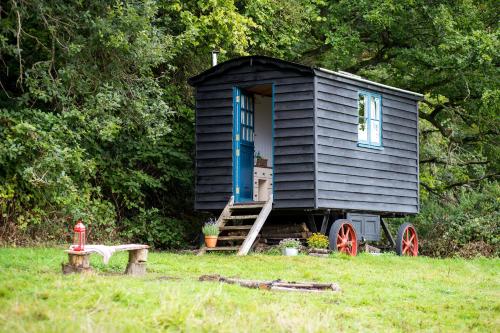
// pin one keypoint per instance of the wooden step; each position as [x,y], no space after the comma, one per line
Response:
[223,248]
[236,227]
[241,217]
[253,205]
[225,238]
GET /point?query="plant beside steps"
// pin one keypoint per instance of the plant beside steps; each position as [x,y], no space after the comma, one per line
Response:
[240,225]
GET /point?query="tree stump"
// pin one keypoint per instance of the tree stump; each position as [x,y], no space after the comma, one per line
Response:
[78,263]
[137,260]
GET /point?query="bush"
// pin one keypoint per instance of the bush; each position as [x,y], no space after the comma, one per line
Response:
[464,224]
[318,241]
[154,229]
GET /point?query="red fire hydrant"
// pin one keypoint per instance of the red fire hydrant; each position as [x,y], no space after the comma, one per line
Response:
[79,237]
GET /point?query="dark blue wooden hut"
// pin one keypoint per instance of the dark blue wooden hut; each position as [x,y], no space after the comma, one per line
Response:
[325,142]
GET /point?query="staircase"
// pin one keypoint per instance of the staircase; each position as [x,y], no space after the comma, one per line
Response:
[240,225]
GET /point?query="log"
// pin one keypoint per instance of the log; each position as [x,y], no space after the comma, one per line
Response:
[77,263]
[137,262]
[274,285]
[314,254]
[323,251]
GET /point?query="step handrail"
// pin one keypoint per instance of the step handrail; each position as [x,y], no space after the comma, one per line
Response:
[254,231]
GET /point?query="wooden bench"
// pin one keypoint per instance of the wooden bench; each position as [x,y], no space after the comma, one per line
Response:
[79,260]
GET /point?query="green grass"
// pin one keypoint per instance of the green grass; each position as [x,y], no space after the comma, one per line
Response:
[380,293]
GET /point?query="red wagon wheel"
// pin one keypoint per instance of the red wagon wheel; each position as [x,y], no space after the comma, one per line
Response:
[407,240]
[343,238]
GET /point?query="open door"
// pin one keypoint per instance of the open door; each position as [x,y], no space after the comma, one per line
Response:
[243,146]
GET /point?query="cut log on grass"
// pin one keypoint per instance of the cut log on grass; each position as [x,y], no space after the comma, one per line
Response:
[323,251]
[323,255]
[277,285]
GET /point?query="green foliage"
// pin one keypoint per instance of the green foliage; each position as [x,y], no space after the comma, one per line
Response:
[289,243]
[96,118]
[448,225]
[156,230]
[210,228]
[318,241]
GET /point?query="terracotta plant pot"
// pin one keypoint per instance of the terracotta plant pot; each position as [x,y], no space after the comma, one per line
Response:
[210,241]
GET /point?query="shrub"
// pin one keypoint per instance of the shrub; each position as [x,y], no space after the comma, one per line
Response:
[318,241]
[466,223]
[210,228]
[154,229]
[289,243]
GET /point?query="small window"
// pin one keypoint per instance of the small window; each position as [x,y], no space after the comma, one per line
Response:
[369,120]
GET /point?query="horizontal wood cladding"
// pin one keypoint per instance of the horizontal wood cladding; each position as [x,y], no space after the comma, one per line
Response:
[351,177]
[377,206]
[293,136]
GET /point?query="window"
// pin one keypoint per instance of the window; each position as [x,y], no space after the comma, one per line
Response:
[369,120]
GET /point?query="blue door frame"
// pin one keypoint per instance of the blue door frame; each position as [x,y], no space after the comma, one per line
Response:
[243,145]
[243,149]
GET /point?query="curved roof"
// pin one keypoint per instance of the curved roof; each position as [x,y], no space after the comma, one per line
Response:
[283,64]
[241,61]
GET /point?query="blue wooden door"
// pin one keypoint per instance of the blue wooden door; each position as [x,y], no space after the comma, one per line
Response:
[243,147]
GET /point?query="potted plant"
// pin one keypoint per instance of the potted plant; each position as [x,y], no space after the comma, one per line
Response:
[211,232]
[260,161]
[290,246]
[318,245]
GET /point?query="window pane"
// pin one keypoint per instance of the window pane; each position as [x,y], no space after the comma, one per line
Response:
[362,129]
[242,101]
[375,132]
[361,106]
[375,107]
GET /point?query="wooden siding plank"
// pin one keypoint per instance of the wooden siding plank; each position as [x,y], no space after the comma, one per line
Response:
[293,132]
[363,188]
[214,112]
[211,137]
[294,150]
[293,96]
[366,164]
[363,197]
[296,194]
[372,206]
[286,186]
[294,87]
[293,105]
[293,141]
[353,145]
[286,168]
[361,171]
[283,203]
[251,77]
[293,114]
[293,176]
[221,162]
[227,179]
[293,123]
[213,154]
[293,159]
[364,155]
[366,180]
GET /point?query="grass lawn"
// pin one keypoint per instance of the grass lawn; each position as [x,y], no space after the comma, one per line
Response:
[380,293]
